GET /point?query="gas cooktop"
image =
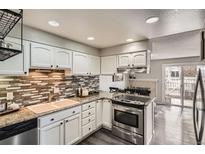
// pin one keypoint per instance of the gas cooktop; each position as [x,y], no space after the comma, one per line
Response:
[129,99]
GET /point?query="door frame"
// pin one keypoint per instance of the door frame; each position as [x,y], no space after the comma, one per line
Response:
[182,79]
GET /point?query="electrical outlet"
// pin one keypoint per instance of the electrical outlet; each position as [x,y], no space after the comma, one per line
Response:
[10,96]
[56,90]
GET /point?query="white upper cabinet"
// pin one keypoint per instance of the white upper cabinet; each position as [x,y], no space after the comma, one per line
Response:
[139,59]
[124,60]
[93,64]
[133,59]
[85,64]
[80,63]
[62,59]
[108,64]
[19,64]
[42,56]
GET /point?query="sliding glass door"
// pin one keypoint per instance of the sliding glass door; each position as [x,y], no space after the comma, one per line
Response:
[179,84]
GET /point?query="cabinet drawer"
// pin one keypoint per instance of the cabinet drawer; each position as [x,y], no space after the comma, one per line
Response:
[88,128]
[88,113]
[51,118]
[88,106]
[88,120]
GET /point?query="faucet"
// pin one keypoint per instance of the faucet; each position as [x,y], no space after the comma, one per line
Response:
[50,97]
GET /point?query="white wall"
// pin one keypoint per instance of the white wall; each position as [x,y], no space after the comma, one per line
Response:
[40,36]
[126,48]
[176,46]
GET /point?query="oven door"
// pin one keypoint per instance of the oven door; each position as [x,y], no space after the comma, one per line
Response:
[128,118]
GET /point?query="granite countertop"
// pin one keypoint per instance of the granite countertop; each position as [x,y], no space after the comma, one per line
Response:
[25,114]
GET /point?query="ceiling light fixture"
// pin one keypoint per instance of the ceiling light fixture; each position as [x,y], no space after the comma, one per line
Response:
[90,38]
[53,23]
[151,20]
[129,40]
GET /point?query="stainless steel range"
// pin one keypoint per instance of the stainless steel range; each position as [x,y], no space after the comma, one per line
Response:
[128,117]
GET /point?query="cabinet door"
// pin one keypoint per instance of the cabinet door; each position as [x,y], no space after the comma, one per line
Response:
[17,65]
[94,65]
[139,59]
[99,109]
[52,134]
[80,63]
[124,60]
[41,56]
[73,129]
[63,58]
[108,65]
[107,114]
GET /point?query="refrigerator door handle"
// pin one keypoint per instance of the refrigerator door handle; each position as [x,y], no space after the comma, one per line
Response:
[199,129]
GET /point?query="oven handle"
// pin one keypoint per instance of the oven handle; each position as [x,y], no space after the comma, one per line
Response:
[123,108]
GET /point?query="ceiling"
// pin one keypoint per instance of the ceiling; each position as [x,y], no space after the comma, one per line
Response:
[113,27]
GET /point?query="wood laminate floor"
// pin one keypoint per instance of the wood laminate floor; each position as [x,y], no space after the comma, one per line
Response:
[172,127]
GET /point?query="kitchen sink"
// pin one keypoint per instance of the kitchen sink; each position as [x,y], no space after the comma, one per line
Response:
[41,108]
[64,103]
[46,107]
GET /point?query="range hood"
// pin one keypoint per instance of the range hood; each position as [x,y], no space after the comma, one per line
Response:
[136,69]
[8,20]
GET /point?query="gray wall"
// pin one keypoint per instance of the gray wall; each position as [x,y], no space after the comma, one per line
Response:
[126,48]
[40,36]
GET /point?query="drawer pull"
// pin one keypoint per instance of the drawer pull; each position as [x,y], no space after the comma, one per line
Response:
[89,106]
[61,123]
[73,112]
[52,119]
[66,121]
[89,120]
[89,128]
[89,113]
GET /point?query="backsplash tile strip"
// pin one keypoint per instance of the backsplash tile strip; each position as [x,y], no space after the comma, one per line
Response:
[36,87]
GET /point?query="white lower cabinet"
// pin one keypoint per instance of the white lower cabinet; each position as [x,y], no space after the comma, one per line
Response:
[72,129]
[63,127]
[107,114]
[52,134]
[99,109]
[88,118]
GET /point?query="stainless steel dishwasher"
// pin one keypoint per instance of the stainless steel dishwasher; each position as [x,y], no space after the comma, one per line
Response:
[23,133]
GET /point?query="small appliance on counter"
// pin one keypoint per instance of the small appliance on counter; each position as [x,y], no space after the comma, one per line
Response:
[82,92]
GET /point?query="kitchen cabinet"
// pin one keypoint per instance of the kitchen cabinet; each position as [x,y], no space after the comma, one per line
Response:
[99,109]
[109,65]
[41,56]
[107,114]
[52,134]
[80,63]
[44,56]
[93,64]
[133,59]
[19,64]
[85,64]
[139,59]
[63,59]
[72,129]
[124,60]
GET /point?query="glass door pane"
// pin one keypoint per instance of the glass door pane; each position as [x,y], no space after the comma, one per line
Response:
[189,75]
[173,85]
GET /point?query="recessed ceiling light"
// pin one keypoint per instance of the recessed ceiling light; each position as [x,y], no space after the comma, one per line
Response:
[151,20]
[53,23]
[129,40]
[90,38]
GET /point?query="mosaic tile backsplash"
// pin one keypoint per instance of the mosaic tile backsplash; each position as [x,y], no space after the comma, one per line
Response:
[36,87]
